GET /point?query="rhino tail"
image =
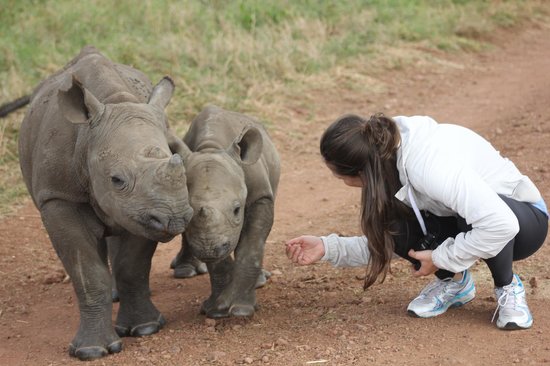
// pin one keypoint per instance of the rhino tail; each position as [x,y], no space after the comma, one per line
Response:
[9,107]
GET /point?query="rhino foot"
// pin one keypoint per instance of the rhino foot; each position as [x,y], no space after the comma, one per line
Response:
[187,270]
[262,278]
[242,310]
[141,330]
[84,351]
[216,311]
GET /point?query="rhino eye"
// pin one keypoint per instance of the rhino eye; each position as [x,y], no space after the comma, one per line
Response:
[117,181]
[236,210]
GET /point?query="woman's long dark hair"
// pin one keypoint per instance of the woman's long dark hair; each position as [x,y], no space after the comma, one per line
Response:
[353,146]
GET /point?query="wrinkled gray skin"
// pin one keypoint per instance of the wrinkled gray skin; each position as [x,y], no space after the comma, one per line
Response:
[99,162]
[232,177]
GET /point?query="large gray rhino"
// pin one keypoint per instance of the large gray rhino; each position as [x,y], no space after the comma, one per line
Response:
[232,177]
[99,161]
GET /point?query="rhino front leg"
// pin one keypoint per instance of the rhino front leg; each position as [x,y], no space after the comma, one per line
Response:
[75,233]
[137,316]
[111,247]
[238,298]
[220,277]
[185,265]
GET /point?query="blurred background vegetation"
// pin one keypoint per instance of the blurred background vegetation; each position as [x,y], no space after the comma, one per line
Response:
[252,56]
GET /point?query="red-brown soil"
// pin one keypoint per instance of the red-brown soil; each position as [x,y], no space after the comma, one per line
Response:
[319,314]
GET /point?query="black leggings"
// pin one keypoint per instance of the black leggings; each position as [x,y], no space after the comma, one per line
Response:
[533,224]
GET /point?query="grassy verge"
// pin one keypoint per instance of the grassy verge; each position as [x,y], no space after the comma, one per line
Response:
[249,55]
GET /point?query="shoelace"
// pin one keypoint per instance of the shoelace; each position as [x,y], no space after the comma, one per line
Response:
[436,285]
[503,299]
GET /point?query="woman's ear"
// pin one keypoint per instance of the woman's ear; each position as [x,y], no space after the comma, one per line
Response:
[247,148]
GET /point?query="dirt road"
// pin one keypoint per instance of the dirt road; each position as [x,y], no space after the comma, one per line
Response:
[319,313]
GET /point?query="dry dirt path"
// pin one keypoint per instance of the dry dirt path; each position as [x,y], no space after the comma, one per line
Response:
[319,313]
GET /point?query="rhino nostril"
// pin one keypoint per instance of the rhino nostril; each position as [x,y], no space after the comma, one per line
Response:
[223,249]
[187,216]
[155,222]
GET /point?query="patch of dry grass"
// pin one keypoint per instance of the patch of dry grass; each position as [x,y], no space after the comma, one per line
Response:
[262,57]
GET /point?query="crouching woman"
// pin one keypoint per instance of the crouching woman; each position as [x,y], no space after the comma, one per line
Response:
[440,196]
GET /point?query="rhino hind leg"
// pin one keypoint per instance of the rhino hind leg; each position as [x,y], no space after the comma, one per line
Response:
[137,315]
[75,234]
[185,265]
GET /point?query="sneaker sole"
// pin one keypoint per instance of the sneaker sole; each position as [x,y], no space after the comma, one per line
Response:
[431,314]
[515,326]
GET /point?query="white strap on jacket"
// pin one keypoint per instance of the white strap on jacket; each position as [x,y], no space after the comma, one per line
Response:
[417,212]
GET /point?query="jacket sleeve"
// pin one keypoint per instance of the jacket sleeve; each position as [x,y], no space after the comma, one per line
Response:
[466,193]
[345,251]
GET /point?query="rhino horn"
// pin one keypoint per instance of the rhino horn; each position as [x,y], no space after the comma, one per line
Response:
[175,161]
[173,171]
[205,212]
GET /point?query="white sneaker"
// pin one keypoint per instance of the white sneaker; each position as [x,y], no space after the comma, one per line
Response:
[513,312]
[440,295]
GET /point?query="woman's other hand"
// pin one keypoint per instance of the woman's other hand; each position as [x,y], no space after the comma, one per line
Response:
[305,249]
[427,266]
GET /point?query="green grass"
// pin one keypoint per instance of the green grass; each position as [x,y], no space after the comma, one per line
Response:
[248,55]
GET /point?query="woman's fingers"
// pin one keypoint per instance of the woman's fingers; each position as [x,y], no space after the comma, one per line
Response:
[294,241]
[292,252]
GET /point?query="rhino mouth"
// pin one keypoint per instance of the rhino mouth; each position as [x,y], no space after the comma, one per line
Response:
[210,252]
[162,228]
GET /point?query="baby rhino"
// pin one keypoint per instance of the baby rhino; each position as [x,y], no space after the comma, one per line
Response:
[232,177]
[100,162]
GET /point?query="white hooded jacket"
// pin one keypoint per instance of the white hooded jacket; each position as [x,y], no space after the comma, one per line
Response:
[452,171]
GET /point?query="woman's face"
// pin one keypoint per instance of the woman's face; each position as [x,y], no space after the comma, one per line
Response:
[349,180]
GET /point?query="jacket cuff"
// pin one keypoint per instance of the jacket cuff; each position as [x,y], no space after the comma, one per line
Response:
[440,257]
[444,257]
[330,242]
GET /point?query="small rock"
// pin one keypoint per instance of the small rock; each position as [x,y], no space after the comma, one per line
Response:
[276,272]
[215,356]
[248,360]
[267,346]
[265,359]
[281,342]
[210,322]
[533,282]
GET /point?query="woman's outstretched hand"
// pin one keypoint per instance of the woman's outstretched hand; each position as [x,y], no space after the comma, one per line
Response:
[305,249]
[427,266]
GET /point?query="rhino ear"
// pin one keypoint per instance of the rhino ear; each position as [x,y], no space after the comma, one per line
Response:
[77,104]
[177,146]
[247,147]
[162,92]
